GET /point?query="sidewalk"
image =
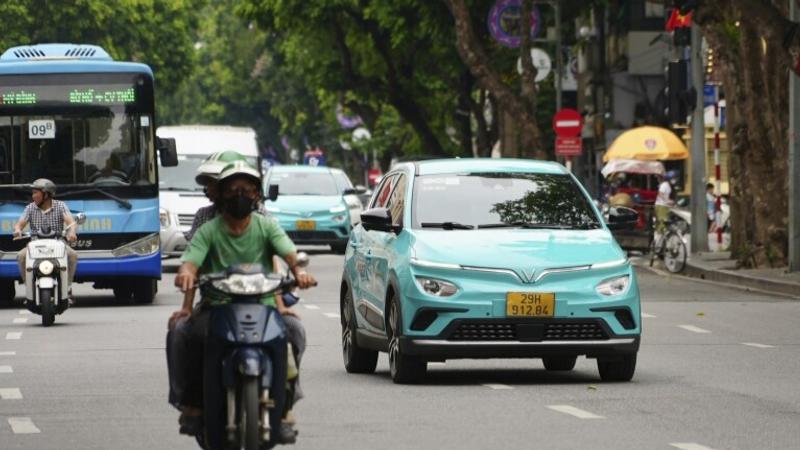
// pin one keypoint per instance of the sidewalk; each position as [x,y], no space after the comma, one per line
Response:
[719,267]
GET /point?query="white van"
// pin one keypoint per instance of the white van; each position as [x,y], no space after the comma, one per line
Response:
[180,197]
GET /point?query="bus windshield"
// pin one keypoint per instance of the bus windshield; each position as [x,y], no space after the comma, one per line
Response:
[81,130]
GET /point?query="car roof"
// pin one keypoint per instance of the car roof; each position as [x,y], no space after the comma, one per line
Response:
[303,168]
[467,165]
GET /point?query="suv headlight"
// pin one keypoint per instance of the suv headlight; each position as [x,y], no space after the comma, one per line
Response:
[141,247]
[438,288]
[337,209]
[163,216]
[614,286]
[339,218]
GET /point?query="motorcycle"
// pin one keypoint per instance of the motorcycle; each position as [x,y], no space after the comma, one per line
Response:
[47,285]
[245,363]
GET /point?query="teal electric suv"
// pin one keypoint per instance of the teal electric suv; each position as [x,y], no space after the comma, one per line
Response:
[316,205]
[487,258]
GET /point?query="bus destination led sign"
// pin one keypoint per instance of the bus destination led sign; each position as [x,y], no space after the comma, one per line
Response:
[67,95]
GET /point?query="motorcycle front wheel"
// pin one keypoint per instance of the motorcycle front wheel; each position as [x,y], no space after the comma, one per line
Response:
[48,310]
[250,430]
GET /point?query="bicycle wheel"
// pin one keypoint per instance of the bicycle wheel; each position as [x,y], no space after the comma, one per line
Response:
[674,252]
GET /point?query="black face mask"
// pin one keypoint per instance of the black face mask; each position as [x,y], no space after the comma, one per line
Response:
[239,206]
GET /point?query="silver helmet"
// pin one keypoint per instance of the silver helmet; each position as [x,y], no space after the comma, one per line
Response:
[43,184]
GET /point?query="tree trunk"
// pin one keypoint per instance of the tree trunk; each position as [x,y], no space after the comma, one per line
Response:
[756,87]
[513,105]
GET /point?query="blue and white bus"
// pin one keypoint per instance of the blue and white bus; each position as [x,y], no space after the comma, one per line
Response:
[72,114]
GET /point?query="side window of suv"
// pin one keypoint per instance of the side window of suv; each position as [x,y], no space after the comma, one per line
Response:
[397,200]
[382,193]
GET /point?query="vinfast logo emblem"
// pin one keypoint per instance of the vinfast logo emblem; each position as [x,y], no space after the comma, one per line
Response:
[527,275]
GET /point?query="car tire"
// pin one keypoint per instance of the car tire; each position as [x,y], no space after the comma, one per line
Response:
[356,359]
[404,369]
[559,363]
[617,368]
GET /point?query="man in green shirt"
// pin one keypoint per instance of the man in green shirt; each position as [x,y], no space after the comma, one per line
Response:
[235,236]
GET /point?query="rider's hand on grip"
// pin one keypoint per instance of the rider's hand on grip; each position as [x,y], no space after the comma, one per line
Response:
[305,280]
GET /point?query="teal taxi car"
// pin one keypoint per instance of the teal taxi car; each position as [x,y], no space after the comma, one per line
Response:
[487,258]
[316,205]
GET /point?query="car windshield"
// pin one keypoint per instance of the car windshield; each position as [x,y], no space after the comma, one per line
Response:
[499,200]
[304,183]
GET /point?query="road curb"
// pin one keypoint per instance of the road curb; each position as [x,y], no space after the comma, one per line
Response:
[726,278]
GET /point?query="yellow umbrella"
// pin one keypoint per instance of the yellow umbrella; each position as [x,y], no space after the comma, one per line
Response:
[647,144]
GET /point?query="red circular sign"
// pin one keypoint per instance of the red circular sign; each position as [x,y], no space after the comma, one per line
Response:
[567,123]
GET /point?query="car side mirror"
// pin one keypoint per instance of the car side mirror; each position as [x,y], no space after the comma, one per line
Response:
[272,193]
[379,219]
[354,191]
[168,152]
[622,218]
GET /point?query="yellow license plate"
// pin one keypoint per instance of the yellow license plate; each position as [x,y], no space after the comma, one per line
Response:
[530,304]
[305,224]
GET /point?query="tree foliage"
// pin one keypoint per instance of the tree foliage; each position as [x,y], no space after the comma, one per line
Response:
[155,32]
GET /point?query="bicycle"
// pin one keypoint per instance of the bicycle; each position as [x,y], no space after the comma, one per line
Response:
[670,248]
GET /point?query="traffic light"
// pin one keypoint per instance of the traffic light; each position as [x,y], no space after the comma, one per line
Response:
[680,98]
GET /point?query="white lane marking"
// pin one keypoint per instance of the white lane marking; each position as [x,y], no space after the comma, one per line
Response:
[498,387]
[754,344]
[573,411]
[6,369]
[22,425]
[24,311]
[10,394]
[648,316]
[689,446]
[14,336]
[21,320]
[693,329]
[311,306]
[332,315]
[8,353]
[436,363]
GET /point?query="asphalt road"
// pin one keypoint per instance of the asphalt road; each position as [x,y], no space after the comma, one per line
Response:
[718,369]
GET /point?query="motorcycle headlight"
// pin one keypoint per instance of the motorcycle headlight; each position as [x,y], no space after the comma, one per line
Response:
[438,288]
[163,216]
[46,267]
[254,284]
[614,286]
[141,247]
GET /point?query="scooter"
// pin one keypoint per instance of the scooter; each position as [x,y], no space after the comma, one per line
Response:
[245,363]
[47,286]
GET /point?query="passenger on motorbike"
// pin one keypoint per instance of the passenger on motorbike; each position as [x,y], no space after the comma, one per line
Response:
[234,236]
[47,212]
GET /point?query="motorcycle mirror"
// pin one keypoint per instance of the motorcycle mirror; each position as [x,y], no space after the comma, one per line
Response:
[302,259]
[80,218]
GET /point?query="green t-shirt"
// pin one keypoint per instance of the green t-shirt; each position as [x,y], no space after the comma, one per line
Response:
[213,249]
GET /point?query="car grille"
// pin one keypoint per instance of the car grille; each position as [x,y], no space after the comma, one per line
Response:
[185,219]
[509,331]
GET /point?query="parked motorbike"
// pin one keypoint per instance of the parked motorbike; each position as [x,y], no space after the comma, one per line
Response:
[245,362]
[47,285]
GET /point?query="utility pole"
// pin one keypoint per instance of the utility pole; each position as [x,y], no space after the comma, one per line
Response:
[559,55]
[699,229]
[794,160]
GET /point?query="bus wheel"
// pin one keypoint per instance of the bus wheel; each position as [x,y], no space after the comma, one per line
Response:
[123,291]
[7,292]
[144,291]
